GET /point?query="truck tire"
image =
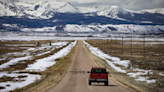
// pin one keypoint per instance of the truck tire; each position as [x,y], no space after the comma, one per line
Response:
[106,83]
[89,83]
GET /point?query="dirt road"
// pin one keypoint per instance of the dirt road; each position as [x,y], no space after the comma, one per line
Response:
[76,78]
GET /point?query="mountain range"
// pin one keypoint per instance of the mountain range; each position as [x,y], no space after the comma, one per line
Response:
[19,14]
[43,9]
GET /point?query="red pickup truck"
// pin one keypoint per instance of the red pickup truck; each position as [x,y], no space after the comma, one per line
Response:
[98,74]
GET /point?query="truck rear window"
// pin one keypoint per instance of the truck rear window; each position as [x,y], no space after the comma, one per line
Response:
[98,71]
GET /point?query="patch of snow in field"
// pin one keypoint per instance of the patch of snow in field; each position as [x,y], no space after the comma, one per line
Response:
[139,72]
[39,48]
[2,59]
[15,54]
[60,44]
[13,61]
[145,79]
[161,74]
[113,61]
[13,85]
[124,63]
[44,63]
[45,52]
[30,49]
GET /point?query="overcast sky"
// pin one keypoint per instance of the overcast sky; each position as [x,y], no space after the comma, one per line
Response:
[128,4]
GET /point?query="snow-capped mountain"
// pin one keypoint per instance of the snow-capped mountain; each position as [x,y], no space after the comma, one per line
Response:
[36,8]
[99,29]
[102,9]
[113,12]
[93,9]
[7,8]
[16,15]
[143,16]
[46,9]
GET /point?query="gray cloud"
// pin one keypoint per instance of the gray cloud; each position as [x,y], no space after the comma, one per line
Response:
[129,4]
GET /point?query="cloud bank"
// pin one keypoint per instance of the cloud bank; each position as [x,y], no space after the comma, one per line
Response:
[128,4]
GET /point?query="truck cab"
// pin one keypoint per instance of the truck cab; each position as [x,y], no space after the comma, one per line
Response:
[98,74]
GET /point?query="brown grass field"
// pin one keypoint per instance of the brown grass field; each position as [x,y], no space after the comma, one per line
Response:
[8,48]
[16,46]
[142,55]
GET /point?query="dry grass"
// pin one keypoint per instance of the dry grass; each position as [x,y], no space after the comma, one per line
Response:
[9,46]
[24,63]
[3,61]
[13,79]
[51,76]
[6,78]
[62,63]
[149,58]
[18,46]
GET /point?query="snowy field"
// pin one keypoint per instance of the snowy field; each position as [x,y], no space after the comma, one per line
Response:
[46,62]
[20,80]
[50,37]
[11,85]
[27,53]
[114,61]
[31,38]
[43,63]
